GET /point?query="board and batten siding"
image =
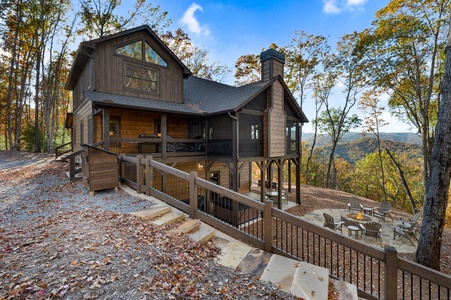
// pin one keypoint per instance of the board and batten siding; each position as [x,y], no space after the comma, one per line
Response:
[277,122]
[81,123]
[84,83]
[110,70]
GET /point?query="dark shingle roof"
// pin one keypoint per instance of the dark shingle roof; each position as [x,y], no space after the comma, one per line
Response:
[212,97]
[202,97]
[138,103]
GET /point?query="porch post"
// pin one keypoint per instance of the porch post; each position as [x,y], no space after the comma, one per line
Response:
[106,129]
[298,180]
[164,134]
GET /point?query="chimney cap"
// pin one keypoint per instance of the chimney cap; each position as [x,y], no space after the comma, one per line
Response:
[272,54]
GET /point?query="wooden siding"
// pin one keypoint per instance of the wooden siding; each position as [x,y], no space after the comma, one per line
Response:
[110,70]
[271,68]
[84,83]
[277,122]
[82,118]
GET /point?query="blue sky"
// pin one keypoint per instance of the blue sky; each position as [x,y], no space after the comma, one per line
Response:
[231,28]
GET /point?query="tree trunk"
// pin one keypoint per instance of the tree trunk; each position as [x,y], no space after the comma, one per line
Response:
[437,188]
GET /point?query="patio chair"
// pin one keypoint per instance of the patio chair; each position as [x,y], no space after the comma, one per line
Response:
[354,204]
[406,232]
[329,222]
[372,229]
[383,210]
[410,222]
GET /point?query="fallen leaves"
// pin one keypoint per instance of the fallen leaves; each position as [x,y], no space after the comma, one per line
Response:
[74,249]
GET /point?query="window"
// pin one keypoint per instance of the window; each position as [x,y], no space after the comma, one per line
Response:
[153,57]
[254,132]
[133,50]
[142,51]
[141,78]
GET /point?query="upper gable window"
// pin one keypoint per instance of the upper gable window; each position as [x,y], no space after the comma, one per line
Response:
[142,51]
[153,57]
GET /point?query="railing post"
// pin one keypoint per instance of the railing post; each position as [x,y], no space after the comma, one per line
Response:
[268,223]
[139,174]
[391,273]
[192,195]
[149,175]
[72,167]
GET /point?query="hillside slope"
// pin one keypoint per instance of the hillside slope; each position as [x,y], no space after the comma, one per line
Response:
[404,137]
[354,150]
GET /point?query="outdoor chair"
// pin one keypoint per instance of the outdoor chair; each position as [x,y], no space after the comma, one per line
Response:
[354,204]
[372,229]
[329,222]
[410,222]
[383,210]
[406,232]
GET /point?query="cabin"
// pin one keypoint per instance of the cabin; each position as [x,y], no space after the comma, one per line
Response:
[132,95]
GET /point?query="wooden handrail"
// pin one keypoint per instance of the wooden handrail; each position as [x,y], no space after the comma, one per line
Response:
[388,285]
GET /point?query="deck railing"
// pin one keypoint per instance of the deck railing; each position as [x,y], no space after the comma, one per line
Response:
[377,273]
[63,149]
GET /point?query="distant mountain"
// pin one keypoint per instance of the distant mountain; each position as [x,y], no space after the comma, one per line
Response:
[402,137]
[357,149]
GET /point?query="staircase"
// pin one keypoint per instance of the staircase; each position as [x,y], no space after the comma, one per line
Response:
[298,278]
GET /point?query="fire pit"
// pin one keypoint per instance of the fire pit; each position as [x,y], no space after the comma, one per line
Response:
[355,219]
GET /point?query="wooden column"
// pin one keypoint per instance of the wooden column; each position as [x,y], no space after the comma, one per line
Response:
[164,134]
[298,180]
[106,129]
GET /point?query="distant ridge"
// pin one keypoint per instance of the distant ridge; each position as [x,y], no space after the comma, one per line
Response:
[401,137]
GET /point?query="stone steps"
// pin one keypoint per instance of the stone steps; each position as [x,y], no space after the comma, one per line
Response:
[298,278]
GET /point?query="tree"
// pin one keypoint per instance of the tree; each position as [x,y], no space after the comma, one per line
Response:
[347,67]
[402,50]
[247,69]
[369,103]
[438,183]
[323,85]
[102,17]
[335,122]
[303,57]
[195,58]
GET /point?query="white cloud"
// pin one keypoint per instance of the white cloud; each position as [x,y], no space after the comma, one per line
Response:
[338,6]
[191,22]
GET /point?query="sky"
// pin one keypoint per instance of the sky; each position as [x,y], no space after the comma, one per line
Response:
[231,28]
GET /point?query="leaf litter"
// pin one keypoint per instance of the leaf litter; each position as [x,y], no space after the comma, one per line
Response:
[57,242]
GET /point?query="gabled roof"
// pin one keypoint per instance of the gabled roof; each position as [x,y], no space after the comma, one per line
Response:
[212,97]
[85,50]
[202,97]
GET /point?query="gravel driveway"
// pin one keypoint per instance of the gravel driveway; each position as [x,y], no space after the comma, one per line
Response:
[57,242]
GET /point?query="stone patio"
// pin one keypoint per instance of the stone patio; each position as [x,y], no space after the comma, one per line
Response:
[401,244]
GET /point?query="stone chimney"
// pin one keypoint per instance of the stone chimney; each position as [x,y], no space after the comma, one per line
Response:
[272,62]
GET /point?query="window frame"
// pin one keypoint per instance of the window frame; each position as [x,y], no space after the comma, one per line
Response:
[143,69]
[143,58]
